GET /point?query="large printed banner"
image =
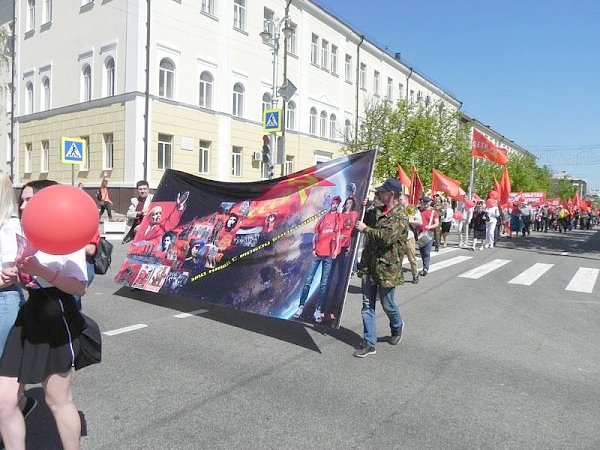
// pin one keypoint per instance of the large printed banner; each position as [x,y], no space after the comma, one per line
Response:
[266,247]
[533,198]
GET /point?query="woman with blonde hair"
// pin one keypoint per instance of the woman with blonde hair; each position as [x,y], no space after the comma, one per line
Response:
[104,200]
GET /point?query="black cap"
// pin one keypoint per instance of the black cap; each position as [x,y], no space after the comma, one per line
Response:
[390,185]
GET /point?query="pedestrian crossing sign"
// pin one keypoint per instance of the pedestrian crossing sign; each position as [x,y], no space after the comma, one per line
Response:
[73,150]
[272,120]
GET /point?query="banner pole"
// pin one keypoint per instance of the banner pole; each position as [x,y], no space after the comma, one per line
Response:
[472,178]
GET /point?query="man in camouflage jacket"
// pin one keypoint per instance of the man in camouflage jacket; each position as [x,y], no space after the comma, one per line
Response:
[380,267]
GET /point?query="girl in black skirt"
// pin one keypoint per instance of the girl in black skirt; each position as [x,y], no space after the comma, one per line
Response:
[478,222]
[44,342]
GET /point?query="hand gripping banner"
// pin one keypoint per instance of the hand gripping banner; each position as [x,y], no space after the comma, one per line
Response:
[282,248]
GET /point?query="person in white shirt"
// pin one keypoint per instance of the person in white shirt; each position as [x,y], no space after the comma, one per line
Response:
[447,214]
[490,226]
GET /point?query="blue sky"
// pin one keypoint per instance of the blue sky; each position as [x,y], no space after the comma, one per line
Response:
[530,69]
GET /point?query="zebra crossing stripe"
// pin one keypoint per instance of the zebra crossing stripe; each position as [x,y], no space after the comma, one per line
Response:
[529,276]
[583,280]
[484,269]
[448,263]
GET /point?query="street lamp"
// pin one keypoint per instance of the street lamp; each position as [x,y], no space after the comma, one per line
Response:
[272,29]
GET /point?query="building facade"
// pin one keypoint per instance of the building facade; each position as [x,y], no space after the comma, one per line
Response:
[80,69]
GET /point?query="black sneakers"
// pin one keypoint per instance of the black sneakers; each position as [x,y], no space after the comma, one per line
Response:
[365,351]
[396,336]
[423,273]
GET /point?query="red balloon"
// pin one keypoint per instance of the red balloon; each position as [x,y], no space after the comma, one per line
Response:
[458,216]
[60,219]
[469,204]
[489,202]
[494,195]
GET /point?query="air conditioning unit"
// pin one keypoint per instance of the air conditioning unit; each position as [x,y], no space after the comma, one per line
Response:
[257,156]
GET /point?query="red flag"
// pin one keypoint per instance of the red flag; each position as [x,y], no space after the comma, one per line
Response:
[403,178]
[449,186]
[504,187]
[416,187]
[482,147]
[497,187]
[576,200]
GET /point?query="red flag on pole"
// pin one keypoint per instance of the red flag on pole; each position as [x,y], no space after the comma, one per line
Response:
[504,187]
[496,186]
[406,182]
[482,147]
[450,186]
[416,187]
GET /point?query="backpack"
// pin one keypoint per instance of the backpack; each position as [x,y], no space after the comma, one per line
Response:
[103,256]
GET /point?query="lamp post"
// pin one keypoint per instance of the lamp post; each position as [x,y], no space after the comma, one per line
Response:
[272,29]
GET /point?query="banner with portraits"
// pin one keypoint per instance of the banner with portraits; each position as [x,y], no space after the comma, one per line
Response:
[282,248]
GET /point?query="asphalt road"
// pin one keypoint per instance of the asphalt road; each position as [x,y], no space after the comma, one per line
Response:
[485,362]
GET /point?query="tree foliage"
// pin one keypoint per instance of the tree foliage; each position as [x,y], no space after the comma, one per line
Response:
[432,135]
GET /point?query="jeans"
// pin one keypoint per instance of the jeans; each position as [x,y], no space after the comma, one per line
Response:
[426,255]
[10,301]
[325,262]
[386,296]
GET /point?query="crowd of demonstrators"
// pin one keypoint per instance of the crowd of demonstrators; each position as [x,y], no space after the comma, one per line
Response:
[43,340]
[104,200]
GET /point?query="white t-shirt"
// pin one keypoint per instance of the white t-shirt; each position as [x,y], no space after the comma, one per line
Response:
[493,213]
[72,265]
[8,239]
[448,214]
[415,217]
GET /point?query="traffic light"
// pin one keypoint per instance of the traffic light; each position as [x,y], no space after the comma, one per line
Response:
[266,149]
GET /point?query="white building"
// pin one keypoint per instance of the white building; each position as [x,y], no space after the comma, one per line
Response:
[81,72]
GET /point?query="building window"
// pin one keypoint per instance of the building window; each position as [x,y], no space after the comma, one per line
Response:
[109,72]
[332,126]
[236,161]
[45,157]
[30,15]
[348,68]
[208,7]
[204,157]
[312,124]
[85,166]
[334,59]
[289,164]
[28,158]
[87,83]
[291,116]
[412,95]
[206,88]
[390,89]
[400,90]
[29,98]
[323,123]
[266,101]
[362,81]
[239,14]
[347,130]
[47,13]
[109,148]
[238,100]
[419,96]
[324,54]
[268,17]
[165,147]
[290,42]
[376,83]
[46,94]
[314,49]
[166,78]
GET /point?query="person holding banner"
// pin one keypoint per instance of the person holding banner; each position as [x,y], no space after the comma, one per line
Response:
[138,208]
[380,266]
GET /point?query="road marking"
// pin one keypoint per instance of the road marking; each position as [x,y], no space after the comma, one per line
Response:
[125,329]
[583,280]
[448,263]
[529,276]
[191,313]
[484,269]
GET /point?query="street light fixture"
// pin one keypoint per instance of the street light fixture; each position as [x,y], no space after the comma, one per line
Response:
[272,29]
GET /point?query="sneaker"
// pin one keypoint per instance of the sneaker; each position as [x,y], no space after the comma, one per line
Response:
[318,316]
[396,336]
[481,248]
[415,280]
[486,246]
[30,404]
[423,273]
[298,312]
[366,351]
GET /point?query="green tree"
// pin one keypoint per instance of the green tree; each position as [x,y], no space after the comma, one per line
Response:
[563,189]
